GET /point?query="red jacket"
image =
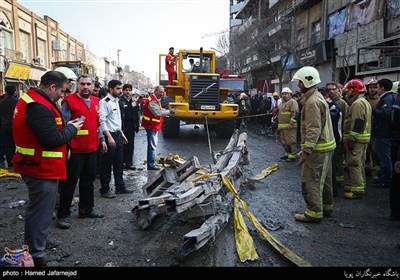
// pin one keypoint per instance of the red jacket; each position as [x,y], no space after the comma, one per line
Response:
[87,138]
[30,158]
[169,62]
[149,121]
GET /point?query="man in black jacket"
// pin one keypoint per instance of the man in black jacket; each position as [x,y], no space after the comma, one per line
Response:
[7,106]
[130,123]
[41,136]
[382,131]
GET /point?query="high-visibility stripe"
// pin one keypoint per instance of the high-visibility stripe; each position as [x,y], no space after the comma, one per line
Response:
[149,119]
[314,215]
[328,146]
[31,152]
[83,132]
[52,154]
[26,151]
[27,98]
[283,125]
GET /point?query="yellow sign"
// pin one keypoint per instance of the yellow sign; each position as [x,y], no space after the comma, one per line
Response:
[19,72]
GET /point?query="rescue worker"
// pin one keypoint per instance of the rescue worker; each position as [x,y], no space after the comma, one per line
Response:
[82,162]
[153,116]
[170,60]
[41,138]
[287,124]
[244,110]
[357,134]
[373,99]
[317,145]
[274,110]
[335,93]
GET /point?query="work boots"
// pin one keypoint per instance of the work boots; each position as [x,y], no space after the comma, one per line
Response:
[353,195]
[305,219]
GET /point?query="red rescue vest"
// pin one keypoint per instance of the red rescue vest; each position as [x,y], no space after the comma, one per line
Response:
[149,121]
[87,138]
[31,158]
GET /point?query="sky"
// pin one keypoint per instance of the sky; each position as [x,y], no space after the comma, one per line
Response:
[141,29]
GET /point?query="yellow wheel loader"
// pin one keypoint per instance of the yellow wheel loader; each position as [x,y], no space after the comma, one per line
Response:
[196,94]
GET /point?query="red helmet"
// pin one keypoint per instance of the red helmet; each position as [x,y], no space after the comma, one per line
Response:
[371,82]
[354,86]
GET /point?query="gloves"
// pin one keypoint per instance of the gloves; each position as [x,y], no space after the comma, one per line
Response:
[350,144]
[172,111]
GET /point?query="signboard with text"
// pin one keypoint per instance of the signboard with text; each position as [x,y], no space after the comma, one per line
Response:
[18,71]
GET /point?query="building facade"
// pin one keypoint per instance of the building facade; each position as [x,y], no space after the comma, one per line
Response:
[30,44]
[343,39]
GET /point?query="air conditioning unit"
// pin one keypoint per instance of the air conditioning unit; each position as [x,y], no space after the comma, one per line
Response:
[19,55]
[40,60]
[56,45]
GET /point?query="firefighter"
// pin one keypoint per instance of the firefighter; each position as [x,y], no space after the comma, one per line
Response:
[357,134]
[317,145]
[287,124]
[170,60]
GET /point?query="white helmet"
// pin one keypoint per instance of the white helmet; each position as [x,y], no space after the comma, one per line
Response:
[308,75]
[395,86]
[67,72]
[286,89]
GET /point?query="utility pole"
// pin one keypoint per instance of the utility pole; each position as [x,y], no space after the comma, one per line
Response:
[118,67]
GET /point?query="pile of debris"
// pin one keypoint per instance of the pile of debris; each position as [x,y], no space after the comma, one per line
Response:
[187,188]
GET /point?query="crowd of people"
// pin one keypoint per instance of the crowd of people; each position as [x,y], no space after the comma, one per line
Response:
[56,146]
[58,136]
[355,127]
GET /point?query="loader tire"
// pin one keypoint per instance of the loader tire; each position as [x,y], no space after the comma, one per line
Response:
[170,128]
[224,129]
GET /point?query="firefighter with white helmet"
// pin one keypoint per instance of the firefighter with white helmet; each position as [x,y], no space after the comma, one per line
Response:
[287,124]
[357,134]
[71,76]
[317,145]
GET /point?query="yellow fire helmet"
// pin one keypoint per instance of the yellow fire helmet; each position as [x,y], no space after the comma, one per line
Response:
[308,75]
[275,94]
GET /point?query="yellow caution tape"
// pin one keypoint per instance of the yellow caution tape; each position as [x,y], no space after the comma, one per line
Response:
[6,173]
[266,172]
[244,241]
[244,254]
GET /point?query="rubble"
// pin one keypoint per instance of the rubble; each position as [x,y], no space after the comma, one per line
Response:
[195,192]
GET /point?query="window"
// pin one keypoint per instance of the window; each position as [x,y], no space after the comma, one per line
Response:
[301,39]
[26,49]
[42,53]
[316,32]
[6,39]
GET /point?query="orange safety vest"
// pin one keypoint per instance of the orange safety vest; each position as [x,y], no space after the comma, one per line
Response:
[149,121]
[87,138]
[31,158]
